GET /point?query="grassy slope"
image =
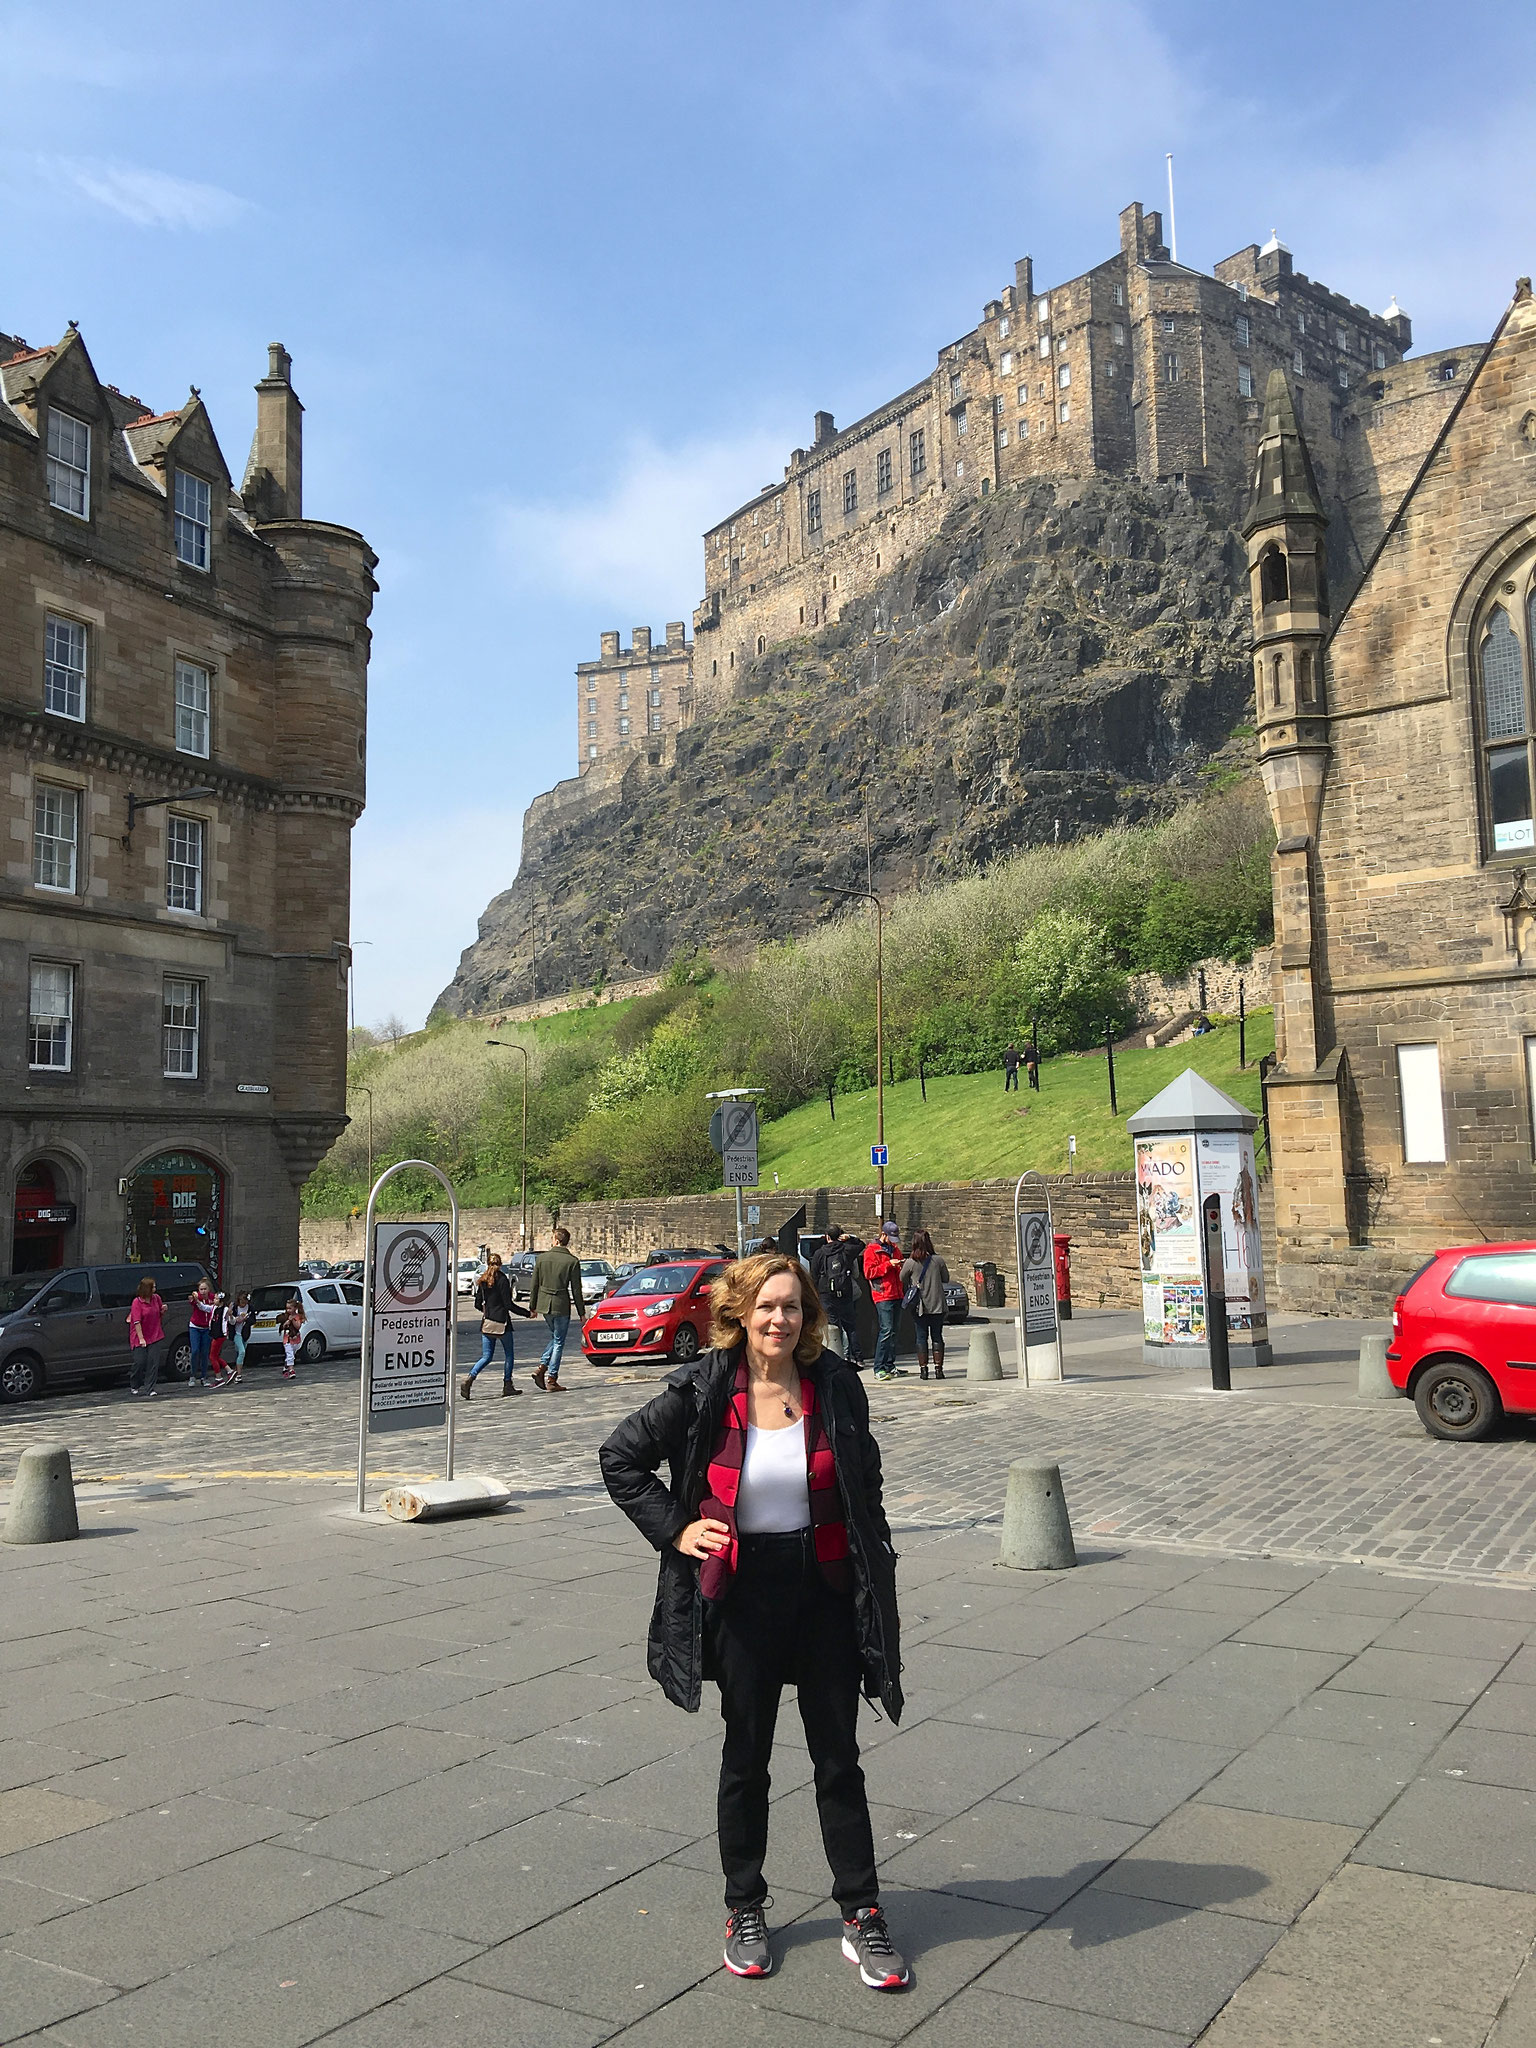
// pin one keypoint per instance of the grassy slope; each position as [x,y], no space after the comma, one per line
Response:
[970,1130]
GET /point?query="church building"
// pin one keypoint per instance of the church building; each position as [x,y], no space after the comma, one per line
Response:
[1396,745]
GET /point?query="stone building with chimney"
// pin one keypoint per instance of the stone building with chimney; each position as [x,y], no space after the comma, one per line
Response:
[632,701]
[1398,748]
[183,715]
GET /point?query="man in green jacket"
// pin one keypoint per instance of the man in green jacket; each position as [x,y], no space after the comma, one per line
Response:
[556,1296]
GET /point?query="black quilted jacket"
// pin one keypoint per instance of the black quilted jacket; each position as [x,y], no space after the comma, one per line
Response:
[680,1426]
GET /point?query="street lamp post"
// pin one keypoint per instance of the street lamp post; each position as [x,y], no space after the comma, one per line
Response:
[509,1045]
[369,1093]
[150,803]
[352,997]
[869,896]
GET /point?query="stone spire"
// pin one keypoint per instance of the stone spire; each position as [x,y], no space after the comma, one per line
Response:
[1284,484]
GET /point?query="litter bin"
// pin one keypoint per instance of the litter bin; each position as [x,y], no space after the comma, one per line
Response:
[979,1285]
[1063,1246]
[989,1285]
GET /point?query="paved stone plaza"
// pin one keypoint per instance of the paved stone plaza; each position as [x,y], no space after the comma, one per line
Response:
[273,1773]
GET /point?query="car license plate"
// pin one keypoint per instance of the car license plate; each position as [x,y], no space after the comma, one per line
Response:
[266,1322]
[612,1336]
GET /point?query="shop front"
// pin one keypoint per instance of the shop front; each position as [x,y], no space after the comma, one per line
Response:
[42,1220]
[176,1210]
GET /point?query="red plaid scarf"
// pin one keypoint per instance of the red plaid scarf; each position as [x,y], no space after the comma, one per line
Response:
[828,1530]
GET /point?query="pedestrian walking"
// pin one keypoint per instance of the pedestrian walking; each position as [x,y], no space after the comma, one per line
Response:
[291,1330]
[237,1334]
[200,1314]
[835,1272]
[493,1300]
[216,1339]
[776,1569]
[556,1296]
[882,1269]
[146,1336]
[924,1277]
[1032,1065]
[1011,1069]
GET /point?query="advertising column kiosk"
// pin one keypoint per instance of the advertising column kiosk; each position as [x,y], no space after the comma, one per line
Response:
[1192,1141]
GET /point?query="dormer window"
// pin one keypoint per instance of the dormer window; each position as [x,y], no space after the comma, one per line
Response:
[194,519]
[69,464]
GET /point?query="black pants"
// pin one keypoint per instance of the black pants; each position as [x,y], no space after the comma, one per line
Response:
[781,1624]
[846,1316]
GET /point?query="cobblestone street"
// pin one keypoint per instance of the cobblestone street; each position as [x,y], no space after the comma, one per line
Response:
[1277,1468]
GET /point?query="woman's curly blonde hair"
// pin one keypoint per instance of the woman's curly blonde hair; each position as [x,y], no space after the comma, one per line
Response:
[733,1295]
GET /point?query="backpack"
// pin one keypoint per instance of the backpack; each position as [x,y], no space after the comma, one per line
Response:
[839,1273]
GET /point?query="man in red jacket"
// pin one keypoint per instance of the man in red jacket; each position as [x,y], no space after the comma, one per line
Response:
[882,1269]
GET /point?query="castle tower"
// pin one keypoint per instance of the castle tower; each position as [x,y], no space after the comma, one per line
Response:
[1284,530]
[1289,593]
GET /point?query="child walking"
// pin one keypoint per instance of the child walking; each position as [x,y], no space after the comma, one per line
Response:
[292,1329]
[237,1330]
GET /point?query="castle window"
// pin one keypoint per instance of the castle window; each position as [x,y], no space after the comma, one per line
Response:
[1304,678]
[813,511]
[1119,299]
[1045,344]
[591,728]
[591,682]
[1343,376]
[762,645]
[986,485]
[1117,335]
[1299,363]
[194,519]
[1003,324]
[1043,311]
[55,836]
[1168,323]
[51,1017]
[1340,338]
[1244,328]
[656,715]
[69,464]
[623,727]
[655,695]
[1064,412]
[1002,437]
[1422,1104]
[1242,293]
[962,422]
[1064,375]
[1301,323]
[1111,369]
[193,689]
[1023,430]
[1005,362]
[1448,373]
[183,863]
[955,384]
[1023,394]
[850,492]
[591,753]
[1170,368]
[959,469]
[64,668]
[1244,380]
[623,700]
[1379,357]
[883,472]
[917,452]
[1507,717]
[1274,577]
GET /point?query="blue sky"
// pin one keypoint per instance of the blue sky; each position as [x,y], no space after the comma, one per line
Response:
[563,285]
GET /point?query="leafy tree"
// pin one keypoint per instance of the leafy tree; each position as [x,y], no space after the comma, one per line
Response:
[1070,982]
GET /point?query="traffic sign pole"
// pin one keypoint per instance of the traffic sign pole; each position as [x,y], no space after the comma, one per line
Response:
[1038,1323]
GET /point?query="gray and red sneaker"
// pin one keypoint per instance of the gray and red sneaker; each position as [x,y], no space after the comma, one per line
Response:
[747,1953]
[867,1943]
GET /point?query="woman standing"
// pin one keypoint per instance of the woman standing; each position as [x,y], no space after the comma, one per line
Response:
[493,1301]
[776,1569]
[146,1333]
[924,1277]
[200,1316]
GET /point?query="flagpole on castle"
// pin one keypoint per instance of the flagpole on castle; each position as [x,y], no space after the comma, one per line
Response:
[1173,226]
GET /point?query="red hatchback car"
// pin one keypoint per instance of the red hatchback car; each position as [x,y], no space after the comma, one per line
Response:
[659,1312]
[1464,1339]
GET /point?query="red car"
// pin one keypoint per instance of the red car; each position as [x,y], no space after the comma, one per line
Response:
[659,1312]
[1464,1339]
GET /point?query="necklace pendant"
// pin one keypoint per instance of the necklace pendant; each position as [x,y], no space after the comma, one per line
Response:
[789,1411]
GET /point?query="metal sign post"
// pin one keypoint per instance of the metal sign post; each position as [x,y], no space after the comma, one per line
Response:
[1039,1327]
[409,1323]
[733,1134]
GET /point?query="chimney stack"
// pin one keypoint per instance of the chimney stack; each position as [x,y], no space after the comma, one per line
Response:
[274,476]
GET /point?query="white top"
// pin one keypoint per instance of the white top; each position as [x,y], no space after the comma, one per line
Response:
[774,1496]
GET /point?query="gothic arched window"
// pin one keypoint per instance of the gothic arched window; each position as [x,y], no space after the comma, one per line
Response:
[1505,704]
[1274,582]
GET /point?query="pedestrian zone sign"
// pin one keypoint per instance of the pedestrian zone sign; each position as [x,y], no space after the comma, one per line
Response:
[879,1155]
[410,1319]
[738,1154]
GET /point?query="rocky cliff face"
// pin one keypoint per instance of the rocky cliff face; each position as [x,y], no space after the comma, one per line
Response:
[1062,657]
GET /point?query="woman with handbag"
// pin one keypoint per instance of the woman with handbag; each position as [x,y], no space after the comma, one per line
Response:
[925,1276]
[493,1298]
[776,1569]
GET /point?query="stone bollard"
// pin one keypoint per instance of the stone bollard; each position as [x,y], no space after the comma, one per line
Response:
[832,1339]
[1375,1381]
[1037,1534]
[982,1362]
[43,1498]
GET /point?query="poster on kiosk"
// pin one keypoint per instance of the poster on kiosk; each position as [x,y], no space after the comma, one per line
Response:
[1192,1141]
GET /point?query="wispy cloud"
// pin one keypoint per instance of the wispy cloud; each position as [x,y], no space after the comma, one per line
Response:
[635,544]
[149,199]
